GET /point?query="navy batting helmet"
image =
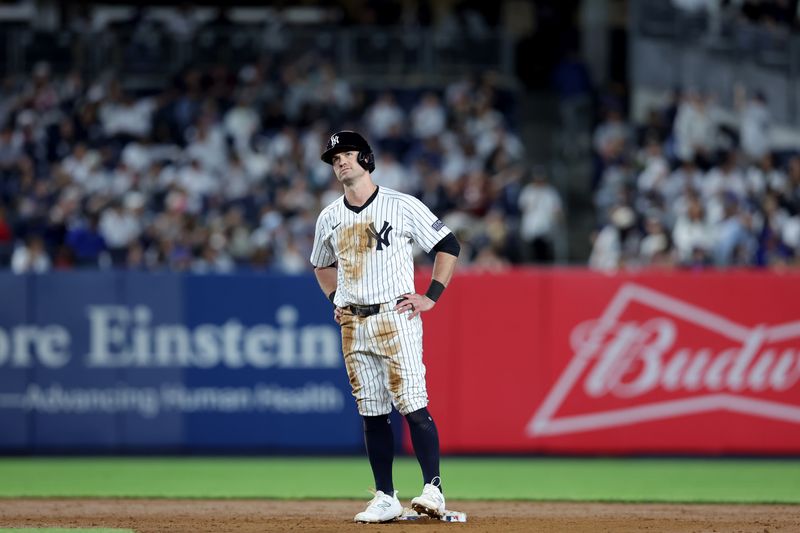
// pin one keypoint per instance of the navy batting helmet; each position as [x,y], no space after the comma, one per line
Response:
[344,141]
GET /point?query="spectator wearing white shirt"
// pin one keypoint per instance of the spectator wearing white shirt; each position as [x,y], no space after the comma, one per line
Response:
[611,136]
[764,176]
[500,138]
[290,259]
[81,164]
[284,144]
[542,212]
[198,184]
[119,228]
[213,259]
[310,141]
[30,257]
[241,122]
[136,156]
[428,117]
[617,242]
[754,127]
[484,118]
[236,181]
[207,144]
[458,158]
[384,115]
[125,115]
[734,242]
[723,181]
[686,179]
[10,148]
[332,91]
[655,172]
[695,129]
[655,248]
[692,236]
[389,173]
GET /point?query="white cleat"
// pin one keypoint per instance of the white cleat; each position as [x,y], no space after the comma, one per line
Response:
[430,502]
[382,508]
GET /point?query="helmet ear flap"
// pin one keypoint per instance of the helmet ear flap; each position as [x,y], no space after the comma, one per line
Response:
[366,160]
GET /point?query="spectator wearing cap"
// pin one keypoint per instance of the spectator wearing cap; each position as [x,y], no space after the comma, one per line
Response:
[617,242]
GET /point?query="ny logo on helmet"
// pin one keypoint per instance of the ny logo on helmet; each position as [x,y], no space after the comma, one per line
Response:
[334,139]
[382,236]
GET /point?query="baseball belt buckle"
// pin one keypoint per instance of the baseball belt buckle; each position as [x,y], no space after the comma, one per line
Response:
[365,310]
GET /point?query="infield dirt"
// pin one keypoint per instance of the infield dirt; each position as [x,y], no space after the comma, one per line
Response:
[146,516]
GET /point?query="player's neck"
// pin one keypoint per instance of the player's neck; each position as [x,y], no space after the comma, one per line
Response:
[358,193]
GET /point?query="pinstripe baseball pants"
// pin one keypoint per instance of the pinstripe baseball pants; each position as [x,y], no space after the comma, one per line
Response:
[383,357]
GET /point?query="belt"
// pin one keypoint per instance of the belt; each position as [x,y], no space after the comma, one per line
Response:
[368,310]
[364,310]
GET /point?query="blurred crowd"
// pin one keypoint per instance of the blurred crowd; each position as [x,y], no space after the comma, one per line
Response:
[750,24]
[220,170]
[694,189]
[768,13]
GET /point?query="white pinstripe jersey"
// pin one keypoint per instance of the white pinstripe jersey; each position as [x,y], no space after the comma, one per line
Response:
[373,245]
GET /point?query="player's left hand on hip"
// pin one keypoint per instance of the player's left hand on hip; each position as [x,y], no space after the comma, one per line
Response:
[415,303]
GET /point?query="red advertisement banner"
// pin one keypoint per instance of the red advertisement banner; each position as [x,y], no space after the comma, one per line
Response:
[571,361]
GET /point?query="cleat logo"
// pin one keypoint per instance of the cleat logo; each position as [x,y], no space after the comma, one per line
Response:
[638,367]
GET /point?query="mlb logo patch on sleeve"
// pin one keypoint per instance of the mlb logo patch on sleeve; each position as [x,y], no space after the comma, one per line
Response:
[437,225]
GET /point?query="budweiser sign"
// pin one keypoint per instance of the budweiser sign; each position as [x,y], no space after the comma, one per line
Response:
[651,356]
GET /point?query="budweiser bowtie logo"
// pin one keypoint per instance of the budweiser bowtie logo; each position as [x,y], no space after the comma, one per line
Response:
[651,356]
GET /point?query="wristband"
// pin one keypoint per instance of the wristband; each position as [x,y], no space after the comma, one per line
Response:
[435,290]
[331,295]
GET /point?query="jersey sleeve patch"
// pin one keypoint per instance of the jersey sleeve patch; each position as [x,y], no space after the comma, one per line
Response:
[437,225]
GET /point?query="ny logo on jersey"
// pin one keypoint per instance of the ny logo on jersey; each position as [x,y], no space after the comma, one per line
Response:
[382,236]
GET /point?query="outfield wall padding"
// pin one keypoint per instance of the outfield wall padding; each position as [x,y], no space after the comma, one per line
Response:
[556,361]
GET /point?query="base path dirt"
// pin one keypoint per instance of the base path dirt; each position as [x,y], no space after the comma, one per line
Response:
[147,516]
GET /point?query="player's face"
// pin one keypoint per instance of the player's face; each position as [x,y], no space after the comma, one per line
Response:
[346,167]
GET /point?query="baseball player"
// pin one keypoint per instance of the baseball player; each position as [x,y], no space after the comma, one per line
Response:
[363,261]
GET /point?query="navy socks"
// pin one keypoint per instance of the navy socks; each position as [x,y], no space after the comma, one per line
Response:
[379,439]
[425,439]
[380,450]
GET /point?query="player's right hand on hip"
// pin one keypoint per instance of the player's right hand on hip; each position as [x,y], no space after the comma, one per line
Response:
[337,315]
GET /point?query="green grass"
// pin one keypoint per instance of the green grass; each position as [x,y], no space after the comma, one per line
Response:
[634,480]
